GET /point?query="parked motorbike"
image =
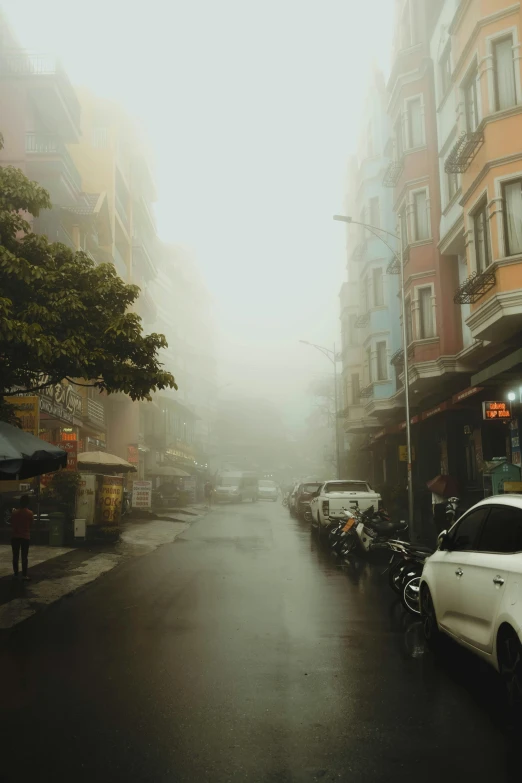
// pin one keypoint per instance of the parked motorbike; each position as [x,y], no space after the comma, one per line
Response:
[374,529]
[407,563]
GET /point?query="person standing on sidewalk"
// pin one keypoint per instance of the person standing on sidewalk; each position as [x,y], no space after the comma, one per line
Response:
[21,521]
[208,493]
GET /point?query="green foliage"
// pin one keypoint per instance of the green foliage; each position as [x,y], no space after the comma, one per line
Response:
[62,315]
[62,491]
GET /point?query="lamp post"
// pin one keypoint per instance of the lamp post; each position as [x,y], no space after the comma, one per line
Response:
[400,259]
[332,356]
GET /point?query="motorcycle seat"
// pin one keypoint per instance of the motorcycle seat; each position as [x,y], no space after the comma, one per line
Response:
[386,528]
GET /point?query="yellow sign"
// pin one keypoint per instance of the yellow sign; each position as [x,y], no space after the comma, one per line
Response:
[403,453]
[513,486]
[27,412]
[111,495]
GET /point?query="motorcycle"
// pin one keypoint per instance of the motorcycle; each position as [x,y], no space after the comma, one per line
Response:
[374,529]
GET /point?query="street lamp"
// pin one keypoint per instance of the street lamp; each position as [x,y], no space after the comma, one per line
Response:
[374,230]
[332,356]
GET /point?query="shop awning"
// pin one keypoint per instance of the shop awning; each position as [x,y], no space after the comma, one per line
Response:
[502,370]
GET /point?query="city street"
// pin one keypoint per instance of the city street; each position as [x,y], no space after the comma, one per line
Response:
[242,652]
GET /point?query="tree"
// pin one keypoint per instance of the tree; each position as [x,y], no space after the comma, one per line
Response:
[63,316]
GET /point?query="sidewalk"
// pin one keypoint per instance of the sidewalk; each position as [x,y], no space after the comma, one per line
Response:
[57,572]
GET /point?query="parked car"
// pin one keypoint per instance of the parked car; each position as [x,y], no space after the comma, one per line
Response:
[237,487]
[267,490]
[305,494]
[334,496]
[292,501]
[471,587]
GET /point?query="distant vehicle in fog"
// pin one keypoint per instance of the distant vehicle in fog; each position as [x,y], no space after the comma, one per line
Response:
[305,494]
[237,486]
[267,490]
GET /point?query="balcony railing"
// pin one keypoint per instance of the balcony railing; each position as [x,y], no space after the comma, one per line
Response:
[475,287]
[362,320]
[94,412]
[43,144]
[122,212]
[359,251]
[366,391]
[392,173]
[26,64]
[463,152]
[394,267]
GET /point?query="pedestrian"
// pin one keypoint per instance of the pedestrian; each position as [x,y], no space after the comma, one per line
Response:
[21,521]
[208,493]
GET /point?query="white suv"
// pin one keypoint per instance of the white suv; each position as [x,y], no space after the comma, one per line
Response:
[471,587]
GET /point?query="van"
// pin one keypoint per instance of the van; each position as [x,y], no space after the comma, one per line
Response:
[237,486]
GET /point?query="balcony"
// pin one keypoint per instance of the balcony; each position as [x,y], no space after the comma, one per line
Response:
[147,307]
[50,89]
[142,262]
[94,412]
[122,212]
[362,320]
[120,264]
[465,149]
[47,156]
[366,391]
[394,267]
[359,251]
[475,287]
[393,173]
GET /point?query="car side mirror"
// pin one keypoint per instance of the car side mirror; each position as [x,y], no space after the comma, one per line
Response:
[443,540]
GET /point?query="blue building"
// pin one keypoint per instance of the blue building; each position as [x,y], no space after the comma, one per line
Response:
[370,304]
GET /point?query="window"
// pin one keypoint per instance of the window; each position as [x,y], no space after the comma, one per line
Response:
[378,292]
[382,362]
[409,25]
[425,314]
[366,291]
[470,103]
[504,70]
[502,531]
[445,71]
[356,389]
[512,193]
[369,363]
[409,323]
[420,211]
[481,235]
[453,185]
[100,138]
[397,132]
[464,536]
[415,129]
[375,212]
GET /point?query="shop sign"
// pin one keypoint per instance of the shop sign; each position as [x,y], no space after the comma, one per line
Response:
[141,494]
[433,411]
[61,401]
[27,412]
[403,453]
[111,495]
[494,410]
[378,435]
[71,447]
[133,455]
[465,393]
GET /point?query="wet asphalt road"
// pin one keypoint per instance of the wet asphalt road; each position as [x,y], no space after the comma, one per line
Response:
[241,652]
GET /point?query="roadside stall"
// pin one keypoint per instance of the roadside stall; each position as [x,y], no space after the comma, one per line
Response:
[101,494]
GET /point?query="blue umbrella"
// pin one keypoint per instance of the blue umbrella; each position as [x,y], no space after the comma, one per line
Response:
[23,456]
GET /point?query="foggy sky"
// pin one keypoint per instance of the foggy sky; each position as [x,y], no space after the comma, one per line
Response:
[252,109]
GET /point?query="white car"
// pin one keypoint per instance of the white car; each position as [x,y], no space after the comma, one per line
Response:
[267,490]
[471,587]
[334,496]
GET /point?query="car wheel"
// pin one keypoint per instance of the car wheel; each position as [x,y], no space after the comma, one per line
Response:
[509,652]
[429,617]
[410,596]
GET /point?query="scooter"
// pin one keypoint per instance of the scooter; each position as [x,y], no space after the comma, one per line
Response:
[374,529]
